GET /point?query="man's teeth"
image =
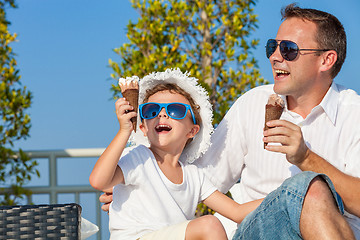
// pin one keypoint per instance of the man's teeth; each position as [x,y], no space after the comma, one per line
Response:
[281,72]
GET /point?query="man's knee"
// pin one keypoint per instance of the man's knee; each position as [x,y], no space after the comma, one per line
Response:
[319,202]
[321,216]
[320,194]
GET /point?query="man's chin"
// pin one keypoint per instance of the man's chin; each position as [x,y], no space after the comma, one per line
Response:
[278,90]
[282,88]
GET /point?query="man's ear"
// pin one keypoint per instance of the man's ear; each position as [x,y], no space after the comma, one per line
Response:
[328,60]
[143,129]
[193,131]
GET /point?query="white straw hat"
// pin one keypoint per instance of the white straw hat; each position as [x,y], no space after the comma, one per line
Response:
[201,141]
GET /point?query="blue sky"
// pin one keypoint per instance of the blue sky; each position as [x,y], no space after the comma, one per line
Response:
[63,50]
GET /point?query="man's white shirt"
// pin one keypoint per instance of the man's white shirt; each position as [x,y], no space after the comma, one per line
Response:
[331,130]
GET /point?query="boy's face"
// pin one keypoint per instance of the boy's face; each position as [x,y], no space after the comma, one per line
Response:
[164,132]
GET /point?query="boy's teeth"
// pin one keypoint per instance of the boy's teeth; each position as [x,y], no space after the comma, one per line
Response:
[162,127]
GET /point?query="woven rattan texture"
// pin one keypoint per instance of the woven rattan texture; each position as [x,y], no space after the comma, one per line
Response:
[54,221]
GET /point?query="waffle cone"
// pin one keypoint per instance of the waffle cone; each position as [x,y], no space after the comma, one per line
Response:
[132,95]
[272,112]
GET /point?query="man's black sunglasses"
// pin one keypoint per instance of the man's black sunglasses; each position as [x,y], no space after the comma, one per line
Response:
[288,49]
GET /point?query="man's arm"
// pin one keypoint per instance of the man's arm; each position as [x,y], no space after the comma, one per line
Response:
[297,153]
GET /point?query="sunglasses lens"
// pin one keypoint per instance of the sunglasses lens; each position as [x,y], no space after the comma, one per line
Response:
[176,111]
[149,111]
[289,50]
[271,46]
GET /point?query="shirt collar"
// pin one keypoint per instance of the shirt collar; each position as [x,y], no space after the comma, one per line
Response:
[329,103]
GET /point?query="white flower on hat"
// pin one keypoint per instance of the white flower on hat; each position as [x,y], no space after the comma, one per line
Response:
[201,141]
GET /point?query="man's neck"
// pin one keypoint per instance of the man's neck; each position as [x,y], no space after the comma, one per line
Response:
[304,104]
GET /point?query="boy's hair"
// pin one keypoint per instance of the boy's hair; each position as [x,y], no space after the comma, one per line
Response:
[330,32]
[173,88]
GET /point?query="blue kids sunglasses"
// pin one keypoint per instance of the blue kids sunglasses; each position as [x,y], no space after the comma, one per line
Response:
[174,110]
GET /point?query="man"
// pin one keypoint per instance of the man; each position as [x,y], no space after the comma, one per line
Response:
[318,131]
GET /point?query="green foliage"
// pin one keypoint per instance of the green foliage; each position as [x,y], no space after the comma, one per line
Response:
[15,169]
[209,39]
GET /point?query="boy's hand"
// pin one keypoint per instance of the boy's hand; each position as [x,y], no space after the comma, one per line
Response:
[122,108]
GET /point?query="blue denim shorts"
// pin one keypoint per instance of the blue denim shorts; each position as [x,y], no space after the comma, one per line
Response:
[278,216]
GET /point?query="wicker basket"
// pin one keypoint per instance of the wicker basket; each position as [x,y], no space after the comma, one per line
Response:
[54,221]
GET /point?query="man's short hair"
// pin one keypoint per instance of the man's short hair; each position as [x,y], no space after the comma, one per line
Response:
[330,32]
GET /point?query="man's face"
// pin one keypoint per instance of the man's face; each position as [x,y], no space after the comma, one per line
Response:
[296,78]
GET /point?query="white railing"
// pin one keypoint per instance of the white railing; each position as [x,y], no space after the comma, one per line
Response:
[53,189]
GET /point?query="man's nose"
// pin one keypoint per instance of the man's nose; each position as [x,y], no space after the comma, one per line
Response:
[276,56]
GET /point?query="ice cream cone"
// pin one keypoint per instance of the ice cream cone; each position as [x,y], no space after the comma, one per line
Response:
[273,110]
[130,91]
[132,95]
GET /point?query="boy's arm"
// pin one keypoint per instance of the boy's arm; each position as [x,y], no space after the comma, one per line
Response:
[106,172]
[227,207]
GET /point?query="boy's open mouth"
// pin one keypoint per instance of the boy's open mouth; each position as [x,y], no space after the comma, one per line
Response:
[163,128]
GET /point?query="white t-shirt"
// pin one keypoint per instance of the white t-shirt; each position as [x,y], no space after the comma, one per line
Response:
[331,130]
[148,201]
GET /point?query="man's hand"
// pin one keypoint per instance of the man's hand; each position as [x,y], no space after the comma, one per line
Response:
[290,137]
[106,198]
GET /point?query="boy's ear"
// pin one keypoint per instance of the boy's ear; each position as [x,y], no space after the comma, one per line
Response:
[143,129]
[194,130]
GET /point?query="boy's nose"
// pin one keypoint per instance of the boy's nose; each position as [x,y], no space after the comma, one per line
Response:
[163,113]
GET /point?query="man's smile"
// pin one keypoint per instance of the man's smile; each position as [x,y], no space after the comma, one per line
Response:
[280,73]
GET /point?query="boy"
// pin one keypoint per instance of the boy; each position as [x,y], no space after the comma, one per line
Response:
[156,189]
